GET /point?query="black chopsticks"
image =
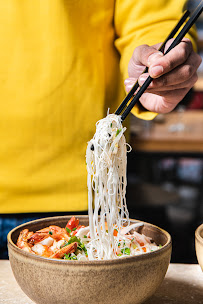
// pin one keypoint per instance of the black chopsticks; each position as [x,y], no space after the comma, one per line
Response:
[176,41]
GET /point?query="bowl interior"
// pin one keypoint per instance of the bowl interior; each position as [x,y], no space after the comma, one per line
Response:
[158,235]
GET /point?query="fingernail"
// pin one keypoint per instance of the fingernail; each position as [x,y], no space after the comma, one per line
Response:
[126,81]
[142,79]
[129,87]
[156,71]
[154,57]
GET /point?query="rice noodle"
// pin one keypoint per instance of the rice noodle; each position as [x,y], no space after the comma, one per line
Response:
[106,158]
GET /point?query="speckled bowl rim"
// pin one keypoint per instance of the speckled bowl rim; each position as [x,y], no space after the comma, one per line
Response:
[197,234]
[124,260]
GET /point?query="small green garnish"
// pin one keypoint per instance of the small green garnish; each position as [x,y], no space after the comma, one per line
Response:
[70,257]
[81,246]
[118,131]
[126,251]
[120,254]
[111,125]
[160,246]
[119,244]
[85,237]
[68,230]
[74,228]
[50,232]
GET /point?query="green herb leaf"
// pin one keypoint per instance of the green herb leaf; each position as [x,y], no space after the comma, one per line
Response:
[81,246]
[74,229]
[68,230]
[160,246]
[118,131]
[126,251]
[70,257]
[50,232]
[85,237]
[111,125]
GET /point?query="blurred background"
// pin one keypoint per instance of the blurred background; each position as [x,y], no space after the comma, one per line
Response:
[165,168]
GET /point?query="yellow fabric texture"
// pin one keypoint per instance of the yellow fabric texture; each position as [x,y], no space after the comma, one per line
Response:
[59,73]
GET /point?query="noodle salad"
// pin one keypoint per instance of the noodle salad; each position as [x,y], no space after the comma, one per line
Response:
[109,234]
[74,241]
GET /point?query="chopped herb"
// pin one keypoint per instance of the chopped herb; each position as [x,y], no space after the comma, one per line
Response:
[126,251]
[70,257]
[119,244]
[81,246]
[85,236]
[74,228]
[132,240]
[74,239]
[118,131]
[111,125]
[160,246]
[68,230]
[124,243]
[120,254]
[50,232]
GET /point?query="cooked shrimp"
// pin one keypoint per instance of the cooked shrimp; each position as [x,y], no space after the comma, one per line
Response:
[55,232]
[141,239]
[64,250]
[72,223]
[42,250]
[22,240]
[37,237]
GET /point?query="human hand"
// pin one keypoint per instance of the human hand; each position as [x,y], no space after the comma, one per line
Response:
[175,74]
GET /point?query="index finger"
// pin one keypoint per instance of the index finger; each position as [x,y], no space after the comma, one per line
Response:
[177,56]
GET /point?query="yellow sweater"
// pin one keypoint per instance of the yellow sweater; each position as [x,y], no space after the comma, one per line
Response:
[59,72]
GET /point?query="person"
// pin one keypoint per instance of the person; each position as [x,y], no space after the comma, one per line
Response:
[62,66]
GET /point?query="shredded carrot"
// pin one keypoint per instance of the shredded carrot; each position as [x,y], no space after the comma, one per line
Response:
[144,249]
[115,232]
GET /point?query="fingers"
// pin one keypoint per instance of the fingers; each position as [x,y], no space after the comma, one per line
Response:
[163,103]
[157,86]
[174,74]
[161,88]
[176,57]
[139,59]
[181,76]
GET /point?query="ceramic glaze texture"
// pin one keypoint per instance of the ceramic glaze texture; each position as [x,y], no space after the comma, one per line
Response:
[129,280]
[199,245]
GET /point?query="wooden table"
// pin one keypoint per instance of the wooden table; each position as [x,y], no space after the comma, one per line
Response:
[183,284]
[157,137]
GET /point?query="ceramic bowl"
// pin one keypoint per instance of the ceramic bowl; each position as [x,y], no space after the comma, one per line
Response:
[199,245]
[125,280]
